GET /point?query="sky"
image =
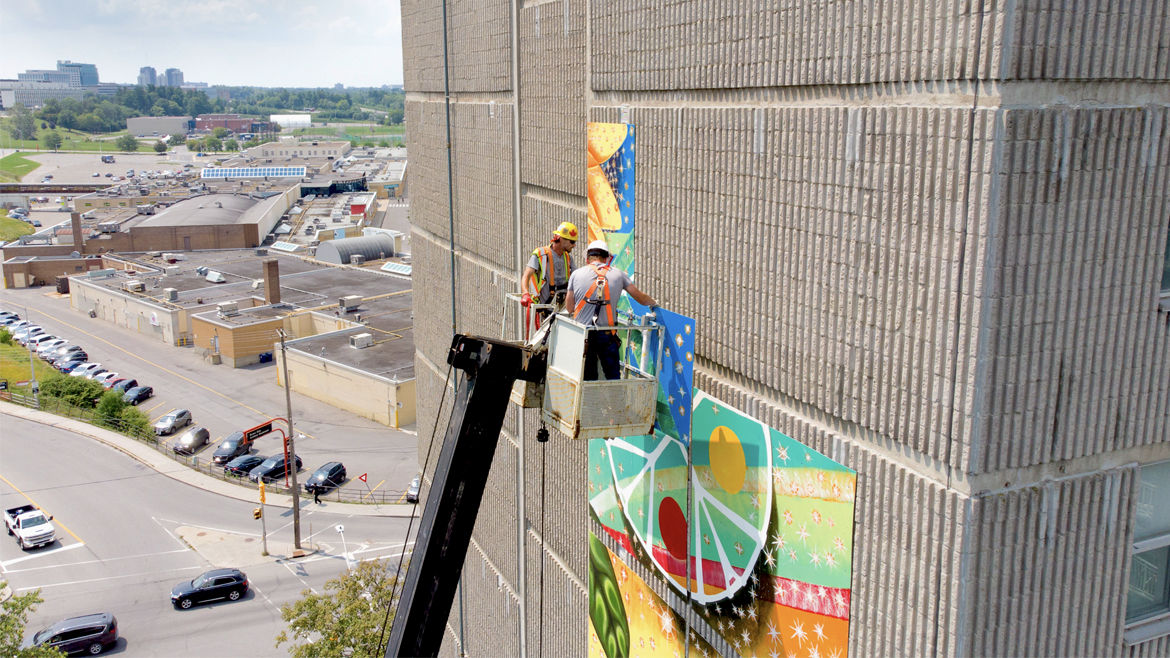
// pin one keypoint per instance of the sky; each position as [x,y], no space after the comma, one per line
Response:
[262,43]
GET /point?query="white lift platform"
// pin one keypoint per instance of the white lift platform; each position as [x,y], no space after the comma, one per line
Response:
[594,409]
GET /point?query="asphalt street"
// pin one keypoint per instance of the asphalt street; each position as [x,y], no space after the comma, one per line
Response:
[225,400]
[118,548]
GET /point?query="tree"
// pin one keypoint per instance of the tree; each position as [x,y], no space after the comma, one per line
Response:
[23,124]
[159,147]
[194,145]
[52,140]
[77,391]
[109,408]
[220,132]
[127,143]
[351,617]
[13,618]
[177,139]
[231,145]
[213,144]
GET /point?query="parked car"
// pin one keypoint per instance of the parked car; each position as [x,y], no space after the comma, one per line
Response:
[5,315]
[84,369]
[326,477]
[90,634]
[95,373]
[124,385]
[232,447]
[271,469]
[243,465]
[72,355]
[23,334]
[104,377]
[46,348]
[137,394]
[171,422]
[16,325]
[191,440]
[68,364]
[230,584]
[62,350]
[109,174]
[36,223]
[412,490]
[95,175]
[109,383]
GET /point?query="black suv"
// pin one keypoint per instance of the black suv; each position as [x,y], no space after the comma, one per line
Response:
[228,584]
[325,478]
[271,469]
[91,634]
[233,446]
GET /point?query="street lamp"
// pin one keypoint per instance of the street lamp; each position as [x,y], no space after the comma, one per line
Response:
[344,549]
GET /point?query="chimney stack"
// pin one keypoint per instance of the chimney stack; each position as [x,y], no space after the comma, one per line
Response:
[271,281]
[78,237]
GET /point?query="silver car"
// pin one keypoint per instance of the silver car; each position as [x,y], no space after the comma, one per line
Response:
[172,422]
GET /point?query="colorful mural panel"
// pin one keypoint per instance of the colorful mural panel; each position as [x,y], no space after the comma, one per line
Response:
[611,189]
[628,618]
[770,527]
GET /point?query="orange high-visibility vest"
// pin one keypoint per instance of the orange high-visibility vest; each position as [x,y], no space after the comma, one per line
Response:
[598,294]
[546,272]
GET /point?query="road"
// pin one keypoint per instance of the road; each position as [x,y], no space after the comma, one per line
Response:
[118,549]
[225,400]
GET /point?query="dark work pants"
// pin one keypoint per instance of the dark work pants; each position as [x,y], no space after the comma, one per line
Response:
[606,347]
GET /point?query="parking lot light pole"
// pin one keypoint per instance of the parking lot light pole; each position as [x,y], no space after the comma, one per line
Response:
[291,465]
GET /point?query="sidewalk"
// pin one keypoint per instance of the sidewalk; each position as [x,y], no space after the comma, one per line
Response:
[177,471]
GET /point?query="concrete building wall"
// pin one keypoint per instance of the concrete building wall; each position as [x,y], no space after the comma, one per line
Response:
[162,125]
[21,273]
[925,239]
[382,400]
[146,316]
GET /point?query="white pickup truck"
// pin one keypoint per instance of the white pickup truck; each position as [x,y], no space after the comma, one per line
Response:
[30,526]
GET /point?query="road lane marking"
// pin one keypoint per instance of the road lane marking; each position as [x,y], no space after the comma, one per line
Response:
[374,489]
[187,379]
[147,412]
[4,565]
[203,527]
[15,488]
[298,577]
[109,559]
[98,580]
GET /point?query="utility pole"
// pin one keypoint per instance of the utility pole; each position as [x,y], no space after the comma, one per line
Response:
[32,368]
[291,466]
[263,522]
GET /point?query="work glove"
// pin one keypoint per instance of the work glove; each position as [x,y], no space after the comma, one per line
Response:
[526,300]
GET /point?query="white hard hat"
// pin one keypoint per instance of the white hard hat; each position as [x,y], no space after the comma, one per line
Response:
[598,245]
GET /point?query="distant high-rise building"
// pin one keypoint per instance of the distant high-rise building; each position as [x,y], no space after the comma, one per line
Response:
[147,76]
[45,76]
[339,87]
[80,74]
[174,78]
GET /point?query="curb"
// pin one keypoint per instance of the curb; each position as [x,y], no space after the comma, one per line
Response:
[176,471]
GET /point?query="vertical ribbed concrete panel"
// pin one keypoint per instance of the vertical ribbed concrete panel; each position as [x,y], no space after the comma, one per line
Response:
[1078,359]
[552,95]
[541,216]
[848,295]
[479,46]
[559,623]
[1159,648]
[1047,566]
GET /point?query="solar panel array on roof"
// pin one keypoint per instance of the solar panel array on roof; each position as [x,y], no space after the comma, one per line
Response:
[396,268]
[252,172]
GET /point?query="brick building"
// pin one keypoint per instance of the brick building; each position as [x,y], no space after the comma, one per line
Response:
[232,122]
[927,241]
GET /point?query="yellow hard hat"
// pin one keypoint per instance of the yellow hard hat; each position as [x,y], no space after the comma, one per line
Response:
[567,231]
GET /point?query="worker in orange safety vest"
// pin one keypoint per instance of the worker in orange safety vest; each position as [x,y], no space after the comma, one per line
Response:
[592,297]
[549,267]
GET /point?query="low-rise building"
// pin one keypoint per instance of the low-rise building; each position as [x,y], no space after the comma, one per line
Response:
[291,146]
[391,183]
[160,125]
[232,122]
[34,93]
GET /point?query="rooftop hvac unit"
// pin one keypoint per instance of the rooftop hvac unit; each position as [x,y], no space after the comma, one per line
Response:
[357,259]
[172,270]
[201,270]
[147,209]
[134,286]
[108,227]
[227,309]
[360,341]
[349,302]
[261,252]
[154,254]
[215,277]
[170,294]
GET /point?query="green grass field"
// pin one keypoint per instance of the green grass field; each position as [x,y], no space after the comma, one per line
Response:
[14,366]
[11,229]
[16,166]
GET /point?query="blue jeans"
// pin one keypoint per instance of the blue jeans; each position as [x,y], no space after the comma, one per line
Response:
[606,347]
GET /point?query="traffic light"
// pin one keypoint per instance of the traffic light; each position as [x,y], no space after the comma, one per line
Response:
[256,514]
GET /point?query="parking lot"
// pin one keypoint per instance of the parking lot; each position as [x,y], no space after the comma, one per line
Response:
[79,168]
[226,400]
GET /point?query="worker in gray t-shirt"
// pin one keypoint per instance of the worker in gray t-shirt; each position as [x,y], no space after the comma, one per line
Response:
[594,291]
[548,269]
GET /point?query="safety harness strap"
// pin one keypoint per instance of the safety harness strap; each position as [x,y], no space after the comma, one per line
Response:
[598,294]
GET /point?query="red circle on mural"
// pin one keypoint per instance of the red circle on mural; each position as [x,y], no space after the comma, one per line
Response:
[672,525]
